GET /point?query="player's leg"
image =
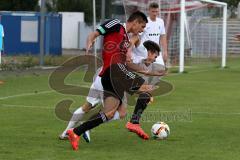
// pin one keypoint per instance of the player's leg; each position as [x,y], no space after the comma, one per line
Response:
[94,97]
[77,116]
[112,114]
[110,104]
[144,98]
[122,112]
[132,83]
[134,125]
[141,105]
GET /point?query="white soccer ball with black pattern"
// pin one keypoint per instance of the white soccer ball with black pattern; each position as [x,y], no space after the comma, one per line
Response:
[160,131]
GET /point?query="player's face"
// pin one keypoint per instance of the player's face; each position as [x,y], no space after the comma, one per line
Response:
[153,13]
[151,57]
[138,27]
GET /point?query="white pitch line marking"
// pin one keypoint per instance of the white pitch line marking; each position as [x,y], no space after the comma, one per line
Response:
[147,111]
[25,94]
[24,106]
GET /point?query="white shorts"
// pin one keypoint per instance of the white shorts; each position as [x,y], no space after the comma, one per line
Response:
[95,94]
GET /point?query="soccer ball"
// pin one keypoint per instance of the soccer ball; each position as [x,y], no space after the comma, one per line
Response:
[160,131]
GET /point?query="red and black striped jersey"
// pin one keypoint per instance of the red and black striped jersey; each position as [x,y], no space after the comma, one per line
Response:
[115,43]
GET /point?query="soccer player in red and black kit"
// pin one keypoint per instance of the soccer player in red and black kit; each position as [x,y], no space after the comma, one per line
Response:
[115,75]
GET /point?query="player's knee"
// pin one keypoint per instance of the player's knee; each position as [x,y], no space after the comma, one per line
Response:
[86,107]
[110,114]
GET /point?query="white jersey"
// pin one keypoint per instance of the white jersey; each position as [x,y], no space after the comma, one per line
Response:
[152,31]
[139,53]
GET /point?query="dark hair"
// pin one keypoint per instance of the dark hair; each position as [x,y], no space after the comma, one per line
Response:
[140,16]
[152,46]
[153,5]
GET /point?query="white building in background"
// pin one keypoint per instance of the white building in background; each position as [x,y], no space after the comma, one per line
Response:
[75,31]
[70,29]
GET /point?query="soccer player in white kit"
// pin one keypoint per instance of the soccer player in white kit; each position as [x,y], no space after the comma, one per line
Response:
[154,31]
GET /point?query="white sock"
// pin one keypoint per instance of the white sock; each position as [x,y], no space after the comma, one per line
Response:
[77,116]
[115,117]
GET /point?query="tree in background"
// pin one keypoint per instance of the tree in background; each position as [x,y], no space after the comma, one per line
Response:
[80,6]
[232,5]
[77,6]
[59,6]
[18,5]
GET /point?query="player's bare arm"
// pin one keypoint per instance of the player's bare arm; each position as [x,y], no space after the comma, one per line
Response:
[91,40]
[136,68]
[163,42]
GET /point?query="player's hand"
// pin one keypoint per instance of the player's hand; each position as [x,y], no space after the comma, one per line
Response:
[91,40]
[89,45]
[147,88]
[163,72]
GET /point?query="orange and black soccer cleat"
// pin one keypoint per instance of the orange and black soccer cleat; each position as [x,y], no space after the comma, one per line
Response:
[136,128]
[73,138]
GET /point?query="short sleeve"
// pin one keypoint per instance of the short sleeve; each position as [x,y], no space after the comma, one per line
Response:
[109,27]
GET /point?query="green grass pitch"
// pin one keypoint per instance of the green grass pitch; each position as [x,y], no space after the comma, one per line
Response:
[208,99]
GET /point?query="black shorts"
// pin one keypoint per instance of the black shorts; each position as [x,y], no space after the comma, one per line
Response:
[117,79]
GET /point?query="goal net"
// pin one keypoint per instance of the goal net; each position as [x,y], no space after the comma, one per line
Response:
[204,37]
